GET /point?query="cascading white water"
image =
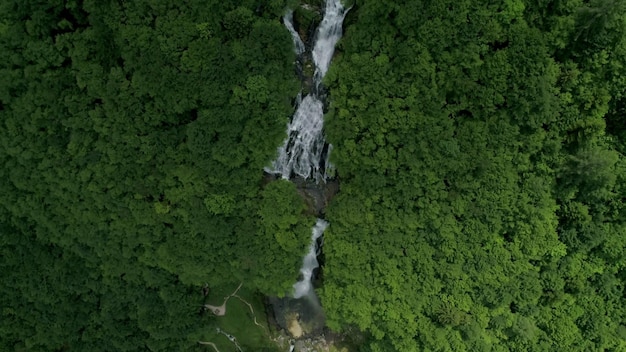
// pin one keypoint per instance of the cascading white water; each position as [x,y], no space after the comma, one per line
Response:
[328,34]
[288,20]
[304,287]
[303,150]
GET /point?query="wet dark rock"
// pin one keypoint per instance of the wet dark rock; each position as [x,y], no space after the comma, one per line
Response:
[317,195]
[300,317]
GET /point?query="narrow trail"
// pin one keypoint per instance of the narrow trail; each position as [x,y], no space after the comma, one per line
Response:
[253,315]
[232,338]
[221,310]
[209,344]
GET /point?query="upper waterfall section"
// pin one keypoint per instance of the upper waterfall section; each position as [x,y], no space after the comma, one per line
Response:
[304,152]
[327,35]
[298,43]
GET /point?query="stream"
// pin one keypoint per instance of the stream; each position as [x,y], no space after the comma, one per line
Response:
[304,153]
[303,158]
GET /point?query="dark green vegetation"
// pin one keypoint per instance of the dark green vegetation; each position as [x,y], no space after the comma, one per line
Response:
[133,135]
[480,147]
[239,322]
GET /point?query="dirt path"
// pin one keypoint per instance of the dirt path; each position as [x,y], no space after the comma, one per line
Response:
[232,338]
[253,315]
[210,344]
[221,310]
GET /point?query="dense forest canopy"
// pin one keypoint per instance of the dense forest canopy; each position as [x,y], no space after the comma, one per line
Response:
[133,139]
[480,148]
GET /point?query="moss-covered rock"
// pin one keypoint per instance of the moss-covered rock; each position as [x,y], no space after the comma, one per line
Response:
[306,18]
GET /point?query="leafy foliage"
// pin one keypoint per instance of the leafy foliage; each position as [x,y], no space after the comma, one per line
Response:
[480,185]
[480,148]
[133,136]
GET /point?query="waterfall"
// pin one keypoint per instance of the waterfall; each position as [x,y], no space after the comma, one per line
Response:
[304,152]
[288,20]
[304,287]
[328,34]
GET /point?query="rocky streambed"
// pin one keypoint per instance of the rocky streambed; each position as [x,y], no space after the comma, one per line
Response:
[303,158]
[303,317]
